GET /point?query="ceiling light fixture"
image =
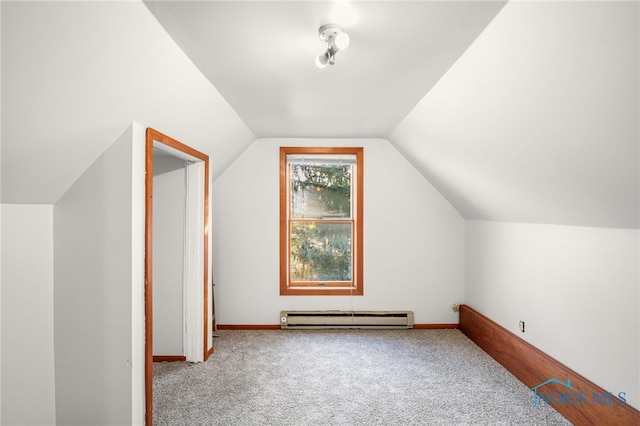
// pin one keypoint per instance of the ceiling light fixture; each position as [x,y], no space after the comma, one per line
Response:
[336,39]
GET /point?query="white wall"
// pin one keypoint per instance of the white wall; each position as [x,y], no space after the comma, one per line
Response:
[413,239]
[97,296]
[576,288]
[28,379]
[169,193]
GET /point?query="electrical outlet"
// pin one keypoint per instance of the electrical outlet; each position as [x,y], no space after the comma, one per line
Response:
[522,326]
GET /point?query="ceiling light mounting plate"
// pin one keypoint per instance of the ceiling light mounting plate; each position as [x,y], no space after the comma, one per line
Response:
[329,31]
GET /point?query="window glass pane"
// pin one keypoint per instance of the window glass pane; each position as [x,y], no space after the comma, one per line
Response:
[320,251]
[320,191]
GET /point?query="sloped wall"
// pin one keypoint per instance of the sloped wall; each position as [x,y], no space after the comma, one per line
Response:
[413,239]
[537,122]
[108,63]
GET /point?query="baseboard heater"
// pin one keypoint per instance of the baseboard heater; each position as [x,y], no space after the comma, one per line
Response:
[345,319]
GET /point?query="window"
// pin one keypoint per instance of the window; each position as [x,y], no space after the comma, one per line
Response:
[321,205]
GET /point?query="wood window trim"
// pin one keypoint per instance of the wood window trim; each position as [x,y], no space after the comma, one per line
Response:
[328,290]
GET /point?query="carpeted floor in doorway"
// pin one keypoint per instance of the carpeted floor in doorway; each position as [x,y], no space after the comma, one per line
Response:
[344,377]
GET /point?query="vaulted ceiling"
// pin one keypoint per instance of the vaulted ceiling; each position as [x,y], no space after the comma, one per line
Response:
[519,111]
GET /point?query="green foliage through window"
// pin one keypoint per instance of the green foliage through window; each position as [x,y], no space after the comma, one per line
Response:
[320,251]
[320,191]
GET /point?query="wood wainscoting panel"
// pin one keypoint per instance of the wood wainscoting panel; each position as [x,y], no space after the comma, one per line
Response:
[584,404]
[435,326]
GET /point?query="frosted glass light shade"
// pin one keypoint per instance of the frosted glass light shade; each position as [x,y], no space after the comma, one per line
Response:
[341,41]
[322,60]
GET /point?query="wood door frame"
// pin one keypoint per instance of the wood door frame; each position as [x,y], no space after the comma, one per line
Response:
[151,136]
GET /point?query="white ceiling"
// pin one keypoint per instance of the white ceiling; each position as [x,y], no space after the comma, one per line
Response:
[260,56]
[520,112]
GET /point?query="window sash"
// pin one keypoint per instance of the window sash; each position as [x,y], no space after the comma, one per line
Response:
[328,282]
[292,213]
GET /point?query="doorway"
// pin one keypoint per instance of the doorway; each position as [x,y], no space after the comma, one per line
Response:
[191,333]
